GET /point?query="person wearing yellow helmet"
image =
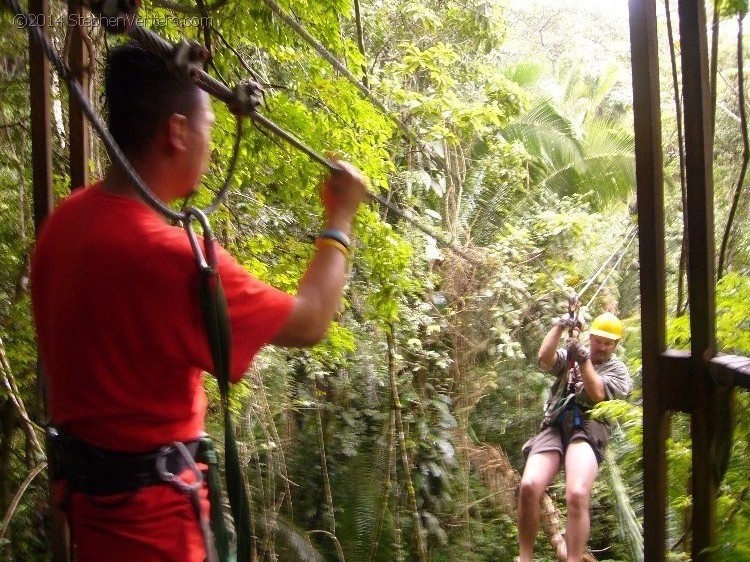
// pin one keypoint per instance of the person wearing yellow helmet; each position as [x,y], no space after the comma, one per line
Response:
[605,332]
[607,325]
[568,437]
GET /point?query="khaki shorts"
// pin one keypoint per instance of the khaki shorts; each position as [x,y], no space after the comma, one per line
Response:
[557,437]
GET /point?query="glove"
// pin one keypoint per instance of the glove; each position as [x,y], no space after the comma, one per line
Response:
[578,351]
[567,322]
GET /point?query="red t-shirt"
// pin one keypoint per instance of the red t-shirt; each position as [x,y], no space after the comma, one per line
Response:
[115,292]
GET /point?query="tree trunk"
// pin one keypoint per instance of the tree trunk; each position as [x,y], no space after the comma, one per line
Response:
[375,540]
[396,406]
[681,271]
[8,419]
[714,59]
[361,43]
[745,152]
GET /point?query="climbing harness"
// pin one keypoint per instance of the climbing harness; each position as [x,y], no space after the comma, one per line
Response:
[101,473]
[564,400]
[215,316]
[95,471]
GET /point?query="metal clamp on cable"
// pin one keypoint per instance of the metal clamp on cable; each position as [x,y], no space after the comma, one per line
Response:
[188,58]
[248,96]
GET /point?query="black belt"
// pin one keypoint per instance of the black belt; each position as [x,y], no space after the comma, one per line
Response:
[100,472]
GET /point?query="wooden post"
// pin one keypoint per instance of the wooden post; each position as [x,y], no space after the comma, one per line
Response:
[41,148]
[41,129]
[701,276]
[78,61]
[650,189]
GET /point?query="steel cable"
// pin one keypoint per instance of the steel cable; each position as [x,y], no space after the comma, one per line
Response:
[164,49]
[114,151]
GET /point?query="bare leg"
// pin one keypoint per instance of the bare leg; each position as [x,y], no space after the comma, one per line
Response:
[539,471]
[581,469]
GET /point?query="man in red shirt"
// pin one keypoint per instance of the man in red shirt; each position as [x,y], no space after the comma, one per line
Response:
[115,296]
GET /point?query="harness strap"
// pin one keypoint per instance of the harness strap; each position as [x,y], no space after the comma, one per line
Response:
[216,319]
[221,540]
[577,416]
[96,471]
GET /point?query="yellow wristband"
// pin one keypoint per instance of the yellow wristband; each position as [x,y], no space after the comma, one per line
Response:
[319,242]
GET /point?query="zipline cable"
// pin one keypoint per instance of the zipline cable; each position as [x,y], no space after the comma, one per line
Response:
[411,220]
[617,249]
[630,235]
[328,56]
[164,49]
[159,46]
[243,102]
[614,267]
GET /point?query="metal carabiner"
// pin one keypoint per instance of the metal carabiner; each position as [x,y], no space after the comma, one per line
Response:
[208,259]
[175,479]
[574,306]
[191,489]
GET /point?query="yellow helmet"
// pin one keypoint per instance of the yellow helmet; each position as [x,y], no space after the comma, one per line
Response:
[607,325]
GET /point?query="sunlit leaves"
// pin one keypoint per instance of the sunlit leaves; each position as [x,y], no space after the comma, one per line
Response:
[733,314]
[729,8]
[418,14]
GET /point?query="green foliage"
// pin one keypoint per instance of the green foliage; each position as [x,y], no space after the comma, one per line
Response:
[292,544]
[360,495]
[733,314]
[533,160]
[732,336]
[729,8]
[493,186]
[577,142]
[732,507]
[549,136]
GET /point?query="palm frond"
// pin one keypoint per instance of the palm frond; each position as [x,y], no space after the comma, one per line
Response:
[492,187]
[608,173]
[628,525]
[359,498]
[603,87]
[547,135]
[526,74]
